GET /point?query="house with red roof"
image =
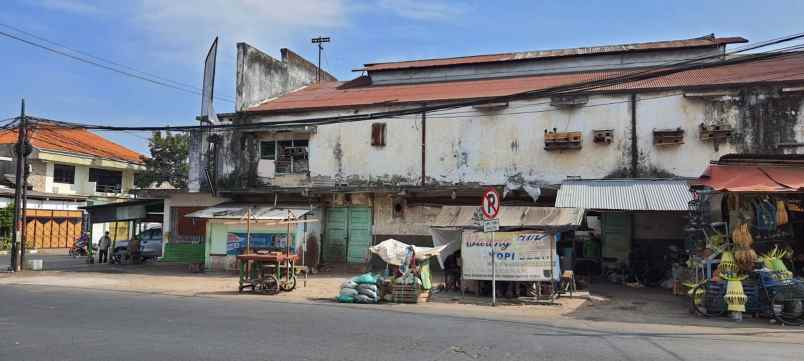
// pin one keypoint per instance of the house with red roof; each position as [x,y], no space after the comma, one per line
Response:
[68,168]
[403,139]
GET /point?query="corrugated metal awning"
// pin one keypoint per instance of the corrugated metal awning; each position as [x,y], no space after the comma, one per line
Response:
[239,210]
[625,194]
[510,217]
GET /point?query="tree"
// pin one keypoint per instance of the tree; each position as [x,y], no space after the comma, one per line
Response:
[168,161]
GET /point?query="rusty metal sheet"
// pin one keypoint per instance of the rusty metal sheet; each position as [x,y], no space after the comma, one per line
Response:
[510,217]
[785,68]
[542,54]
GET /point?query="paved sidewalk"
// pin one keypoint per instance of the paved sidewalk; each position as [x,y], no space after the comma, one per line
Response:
[654,309]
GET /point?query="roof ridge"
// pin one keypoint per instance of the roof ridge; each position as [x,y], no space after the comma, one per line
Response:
[709,38]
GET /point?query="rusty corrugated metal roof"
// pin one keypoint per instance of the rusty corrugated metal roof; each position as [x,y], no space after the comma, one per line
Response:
[330,95]
[555,53]
[53,137]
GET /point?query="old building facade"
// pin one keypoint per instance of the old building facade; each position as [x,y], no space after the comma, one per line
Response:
[394,173]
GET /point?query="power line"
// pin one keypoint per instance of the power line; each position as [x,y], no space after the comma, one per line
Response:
[107,67]
[45,40]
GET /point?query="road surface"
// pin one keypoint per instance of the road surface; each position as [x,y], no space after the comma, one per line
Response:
[53,323]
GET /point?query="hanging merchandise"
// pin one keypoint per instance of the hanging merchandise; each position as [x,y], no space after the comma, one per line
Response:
[781,214]
[773,261]
[727,264]
[742,236]
[735,297]
[745,258]
[765,215]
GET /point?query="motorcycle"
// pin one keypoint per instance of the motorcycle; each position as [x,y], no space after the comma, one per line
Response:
[79,248]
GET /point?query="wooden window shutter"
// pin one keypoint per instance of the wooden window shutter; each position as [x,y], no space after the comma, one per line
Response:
[378,134]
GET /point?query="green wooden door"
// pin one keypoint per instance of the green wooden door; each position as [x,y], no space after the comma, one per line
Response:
[336,234]
[616,235]
[359,234]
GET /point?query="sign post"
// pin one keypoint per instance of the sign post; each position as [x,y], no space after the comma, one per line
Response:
[490,205]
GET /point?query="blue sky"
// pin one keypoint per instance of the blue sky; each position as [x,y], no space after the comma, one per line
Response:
[169,38]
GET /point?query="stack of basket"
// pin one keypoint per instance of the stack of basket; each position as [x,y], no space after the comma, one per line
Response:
[409,293]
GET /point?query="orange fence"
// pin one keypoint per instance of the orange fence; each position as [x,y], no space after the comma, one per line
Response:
[52,229]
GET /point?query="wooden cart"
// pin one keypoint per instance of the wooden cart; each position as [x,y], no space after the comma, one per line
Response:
[267,273]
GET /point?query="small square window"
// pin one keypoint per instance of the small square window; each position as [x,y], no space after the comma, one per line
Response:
[268,150]
[378,134]
[63,174]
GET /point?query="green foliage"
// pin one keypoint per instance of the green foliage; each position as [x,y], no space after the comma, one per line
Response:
[6,226]
[168,161]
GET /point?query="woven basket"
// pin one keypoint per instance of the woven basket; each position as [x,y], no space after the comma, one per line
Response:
[409,294]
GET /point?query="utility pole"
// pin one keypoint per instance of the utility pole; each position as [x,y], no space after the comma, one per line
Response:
[16,240]
[320,41]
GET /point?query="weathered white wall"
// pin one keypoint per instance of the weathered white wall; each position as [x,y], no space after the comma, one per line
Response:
[497,147]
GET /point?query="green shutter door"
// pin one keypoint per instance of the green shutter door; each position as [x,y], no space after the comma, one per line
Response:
[616,235]
[335,238]
[359,234]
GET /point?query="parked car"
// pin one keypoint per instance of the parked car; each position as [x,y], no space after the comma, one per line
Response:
[150,245]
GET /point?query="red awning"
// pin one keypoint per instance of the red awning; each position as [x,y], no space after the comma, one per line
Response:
[753,178]
[792,177]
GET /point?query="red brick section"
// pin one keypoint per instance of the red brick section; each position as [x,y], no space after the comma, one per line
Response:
[707,41]
[331,95]
[78,141]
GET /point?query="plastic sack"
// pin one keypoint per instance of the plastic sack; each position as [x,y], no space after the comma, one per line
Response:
[345,299]
[367,278]
[349,284]
[368,292]
[367,287]
[363,299]
[348,291]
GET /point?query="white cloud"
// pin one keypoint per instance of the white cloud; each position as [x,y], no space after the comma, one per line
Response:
[423,9]
[185,28]
[73,6]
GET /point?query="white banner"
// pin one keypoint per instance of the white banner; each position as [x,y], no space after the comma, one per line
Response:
[521,256]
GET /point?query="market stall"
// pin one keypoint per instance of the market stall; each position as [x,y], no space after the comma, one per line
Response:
[525,257]
[266,262]
[745,237]
[406,277]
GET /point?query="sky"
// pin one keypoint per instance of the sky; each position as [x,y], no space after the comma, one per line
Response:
[170,38]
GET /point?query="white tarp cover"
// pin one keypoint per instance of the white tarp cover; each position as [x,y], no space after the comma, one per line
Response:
[393,252]
[449,238]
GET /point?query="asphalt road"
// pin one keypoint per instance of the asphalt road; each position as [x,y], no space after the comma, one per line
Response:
[47,323]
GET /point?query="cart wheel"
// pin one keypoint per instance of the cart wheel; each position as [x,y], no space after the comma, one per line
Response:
[788,312]
[268,285]
[289,284]
[698,302]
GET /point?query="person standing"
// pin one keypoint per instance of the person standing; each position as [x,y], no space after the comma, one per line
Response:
[103,251]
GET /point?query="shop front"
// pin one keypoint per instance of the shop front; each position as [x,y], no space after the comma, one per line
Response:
[525,260]
[233,229]
[745,232]
[634,228]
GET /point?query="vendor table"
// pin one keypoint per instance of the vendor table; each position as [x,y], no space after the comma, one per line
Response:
[267,273]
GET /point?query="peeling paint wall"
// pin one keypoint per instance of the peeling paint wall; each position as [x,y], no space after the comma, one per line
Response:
[261,77]
[501,146]
[413,220]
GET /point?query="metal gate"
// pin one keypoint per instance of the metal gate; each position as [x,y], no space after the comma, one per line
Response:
[347,235]
[52,229]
